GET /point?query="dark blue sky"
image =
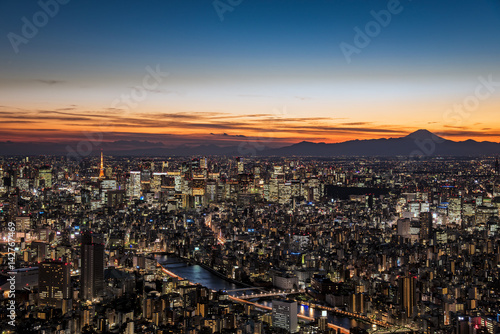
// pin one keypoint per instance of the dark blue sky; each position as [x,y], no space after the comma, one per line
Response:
[261,55]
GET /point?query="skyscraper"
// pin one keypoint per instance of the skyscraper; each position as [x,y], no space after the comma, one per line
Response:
[92,266]
[357,303]
[407,295]
[285,315]
[403,227]
[240,165]
[425,227]
[45,174]
[54,285]
[134,184]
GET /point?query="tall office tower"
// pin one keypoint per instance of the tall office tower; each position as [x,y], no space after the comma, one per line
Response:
[455,209]
[134,184]
[323,323]
[101,170]
[407,295]
[403,227]
[41,250]
[241,165]
[357,303]
[14,205]
[45,174]
[194,167]
[203,163]
[92,266]
[285,315]
[257,328]
[54,285]
[425,227]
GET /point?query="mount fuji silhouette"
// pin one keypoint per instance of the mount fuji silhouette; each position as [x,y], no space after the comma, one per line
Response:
[419,143]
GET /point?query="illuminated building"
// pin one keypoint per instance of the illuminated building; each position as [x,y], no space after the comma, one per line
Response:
[54,285]
[101,170]
[92,266]
[134,185]
[407,295]
[425,227]
[285,315]
[45,174]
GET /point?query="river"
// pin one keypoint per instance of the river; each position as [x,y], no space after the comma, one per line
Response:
[197,274]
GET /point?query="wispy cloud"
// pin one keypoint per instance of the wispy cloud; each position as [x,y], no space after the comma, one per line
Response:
[70,123]
[254,95]
[303,98]
[50,82]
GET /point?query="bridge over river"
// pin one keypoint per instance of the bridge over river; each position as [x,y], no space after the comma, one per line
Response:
[174,266]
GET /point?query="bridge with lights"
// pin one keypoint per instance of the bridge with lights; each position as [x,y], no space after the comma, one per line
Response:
[268,294]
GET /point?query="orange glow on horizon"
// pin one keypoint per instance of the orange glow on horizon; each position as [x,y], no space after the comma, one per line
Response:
[192,128]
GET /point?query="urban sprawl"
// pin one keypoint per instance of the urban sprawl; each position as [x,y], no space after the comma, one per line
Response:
[111,244]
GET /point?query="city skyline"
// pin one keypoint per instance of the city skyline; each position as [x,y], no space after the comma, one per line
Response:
[191,73]
[250,167]
[250,245]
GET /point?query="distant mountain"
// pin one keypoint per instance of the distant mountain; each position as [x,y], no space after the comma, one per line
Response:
[418,143]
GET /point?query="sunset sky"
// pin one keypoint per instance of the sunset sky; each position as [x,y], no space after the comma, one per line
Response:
[269,69]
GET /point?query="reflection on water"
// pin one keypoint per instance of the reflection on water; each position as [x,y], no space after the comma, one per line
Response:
[334,319]
[197,274]
[307,311]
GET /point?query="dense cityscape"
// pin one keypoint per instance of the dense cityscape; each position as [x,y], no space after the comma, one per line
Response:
[111,244]
[249,167]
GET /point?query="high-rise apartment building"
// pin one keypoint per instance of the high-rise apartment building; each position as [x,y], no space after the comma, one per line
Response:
[45,174]
[92,266]
[285,315]
[403,227]
[407,295]
[425,227]
[134,184]
[54,285]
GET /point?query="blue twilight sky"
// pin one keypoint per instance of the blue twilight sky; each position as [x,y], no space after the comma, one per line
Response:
[263,55]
